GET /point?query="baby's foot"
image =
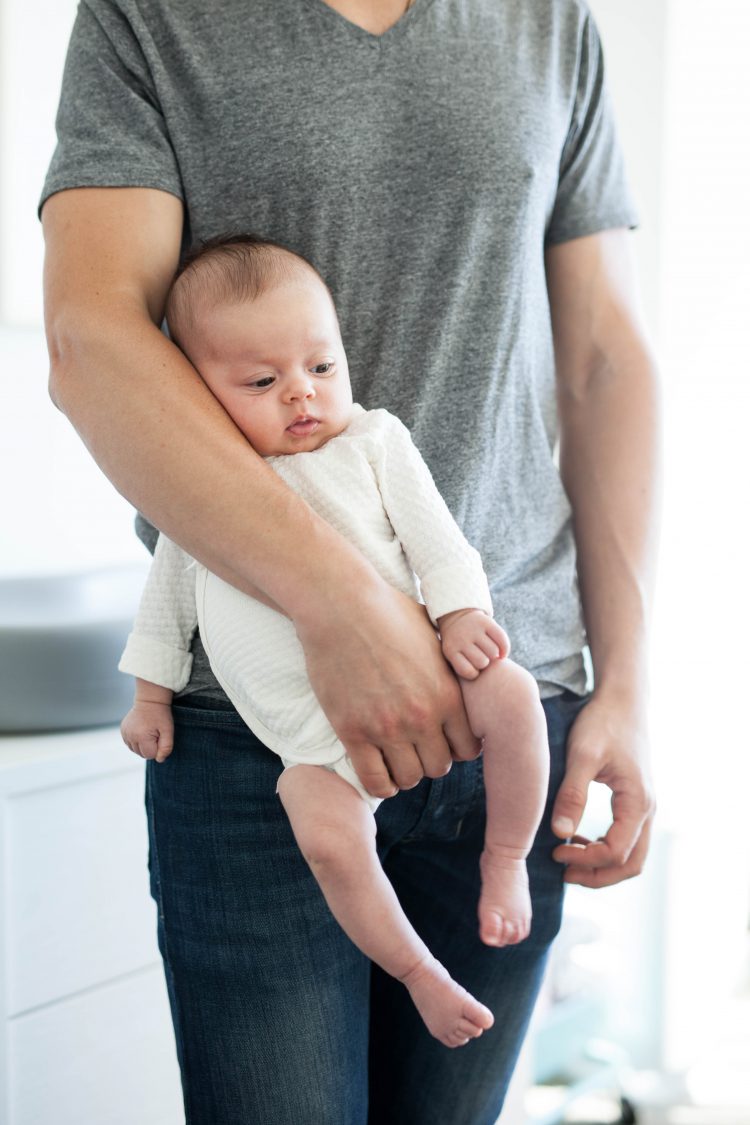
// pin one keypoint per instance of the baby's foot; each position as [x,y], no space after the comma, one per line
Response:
[504,905]
[451,1013]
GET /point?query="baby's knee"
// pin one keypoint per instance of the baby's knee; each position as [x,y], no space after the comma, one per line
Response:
[504,691]
[332,847]
[506,680]
[522,686]
[322,846]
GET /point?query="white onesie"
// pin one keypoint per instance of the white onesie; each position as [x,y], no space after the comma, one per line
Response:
[371,484]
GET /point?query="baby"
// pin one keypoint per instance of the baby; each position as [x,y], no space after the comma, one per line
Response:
[259,324]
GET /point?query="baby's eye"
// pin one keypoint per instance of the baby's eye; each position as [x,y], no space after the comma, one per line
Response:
[261,384]
[323,368]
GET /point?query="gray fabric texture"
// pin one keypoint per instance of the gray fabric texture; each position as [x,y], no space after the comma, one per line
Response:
[423,172]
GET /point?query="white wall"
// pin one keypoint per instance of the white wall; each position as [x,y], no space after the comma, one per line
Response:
[33,37]
[704,611]
[59,512]
[678,71]
[634,38]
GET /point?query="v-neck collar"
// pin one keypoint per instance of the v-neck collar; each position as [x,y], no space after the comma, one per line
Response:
[394,33]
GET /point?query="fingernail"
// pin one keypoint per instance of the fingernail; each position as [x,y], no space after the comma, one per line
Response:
[563,826]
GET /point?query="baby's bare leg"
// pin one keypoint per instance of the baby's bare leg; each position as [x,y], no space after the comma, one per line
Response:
[335,831]
[504,710]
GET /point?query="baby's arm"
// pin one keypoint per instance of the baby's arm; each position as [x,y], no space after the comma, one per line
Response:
[158,651]
[449,569]
[148,727]
[471,640]
[158,648]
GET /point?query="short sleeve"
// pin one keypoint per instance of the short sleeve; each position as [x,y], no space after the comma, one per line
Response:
[110,129]
[592,193]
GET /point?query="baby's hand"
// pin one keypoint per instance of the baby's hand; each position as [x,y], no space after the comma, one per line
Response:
[148,730]
[471,640]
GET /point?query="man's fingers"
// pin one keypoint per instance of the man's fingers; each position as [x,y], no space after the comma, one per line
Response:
[464,745]
[371,770]
[601,875]
[434,753]
[404,765]
[571,798]
[630,808]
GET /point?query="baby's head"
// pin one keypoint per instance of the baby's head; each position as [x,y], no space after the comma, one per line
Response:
[258,323]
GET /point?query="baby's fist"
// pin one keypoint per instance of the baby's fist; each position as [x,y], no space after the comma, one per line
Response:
[471,641]
[148,730]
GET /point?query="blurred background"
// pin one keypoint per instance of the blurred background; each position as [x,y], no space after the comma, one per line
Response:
[646,1014]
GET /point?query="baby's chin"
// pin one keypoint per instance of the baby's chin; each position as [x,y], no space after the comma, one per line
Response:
[325,435]
[316,440]
[327,432]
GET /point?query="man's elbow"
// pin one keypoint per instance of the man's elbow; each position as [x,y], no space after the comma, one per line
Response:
[53,391]
[61,347]
[623,361]
[77,346]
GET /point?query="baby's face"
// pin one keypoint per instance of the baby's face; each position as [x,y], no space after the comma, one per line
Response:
[277,365]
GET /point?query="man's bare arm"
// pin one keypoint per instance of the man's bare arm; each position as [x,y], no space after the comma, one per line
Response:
[169,447]
[609,460]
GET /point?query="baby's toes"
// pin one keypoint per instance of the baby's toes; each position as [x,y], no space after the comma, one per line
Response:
[477,1015]
[514,930]
[492,928]
[455,1039]
[521,927]
[462,1033]
[466,1029]
[524,929]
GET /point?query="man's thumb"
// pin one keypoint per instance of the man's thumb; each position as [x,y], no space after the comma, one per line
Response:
[570,803]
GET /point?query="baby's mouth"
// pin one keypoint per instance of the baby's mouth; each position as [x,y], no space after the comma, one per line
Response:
[303,425]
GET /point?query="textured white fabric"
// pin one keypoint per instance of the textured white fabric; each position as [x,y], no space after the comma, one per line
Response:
[372,485]
[158,648]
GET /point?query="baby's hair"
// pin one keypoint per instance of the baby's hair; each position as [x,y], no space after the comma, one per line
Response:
[229,269]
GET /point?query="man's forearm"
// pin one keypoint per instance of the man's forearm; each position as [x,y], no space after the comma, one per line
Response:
[610,466]
[608,406]
[168,446]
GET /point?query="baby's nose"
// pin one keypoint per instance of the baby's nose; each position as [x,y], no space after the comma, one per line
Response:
[301,386]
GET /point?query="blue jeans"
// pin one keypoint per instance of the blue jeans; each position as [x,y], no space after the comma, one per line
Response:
[279,1019]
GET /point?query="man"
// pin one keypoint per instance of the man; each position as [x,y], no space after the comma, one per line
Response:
[473,142]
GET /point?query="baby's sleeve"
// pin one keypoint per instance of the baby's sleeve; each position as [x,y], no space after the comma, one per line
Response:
[449,569]
[158,648]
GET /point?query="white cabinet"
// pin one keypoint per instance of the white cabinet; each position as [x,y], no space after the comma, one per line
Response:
[85,1033]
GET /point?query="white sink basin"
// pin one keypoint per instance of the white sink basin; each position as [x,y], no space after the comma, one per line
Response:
[61,637]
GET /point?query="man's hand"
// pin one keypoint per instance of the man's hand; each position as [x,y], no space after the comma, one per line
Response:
[402,716]
[471,641]
[607,743]
[609,410]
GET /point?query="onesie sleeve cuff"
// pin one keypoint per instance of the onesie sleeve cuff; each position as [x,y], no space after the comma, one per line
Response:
[455,587]
[151,660]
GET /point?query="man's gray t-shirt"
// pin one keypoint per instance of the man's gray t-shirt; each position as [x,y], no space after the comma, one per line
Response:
[423,172]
